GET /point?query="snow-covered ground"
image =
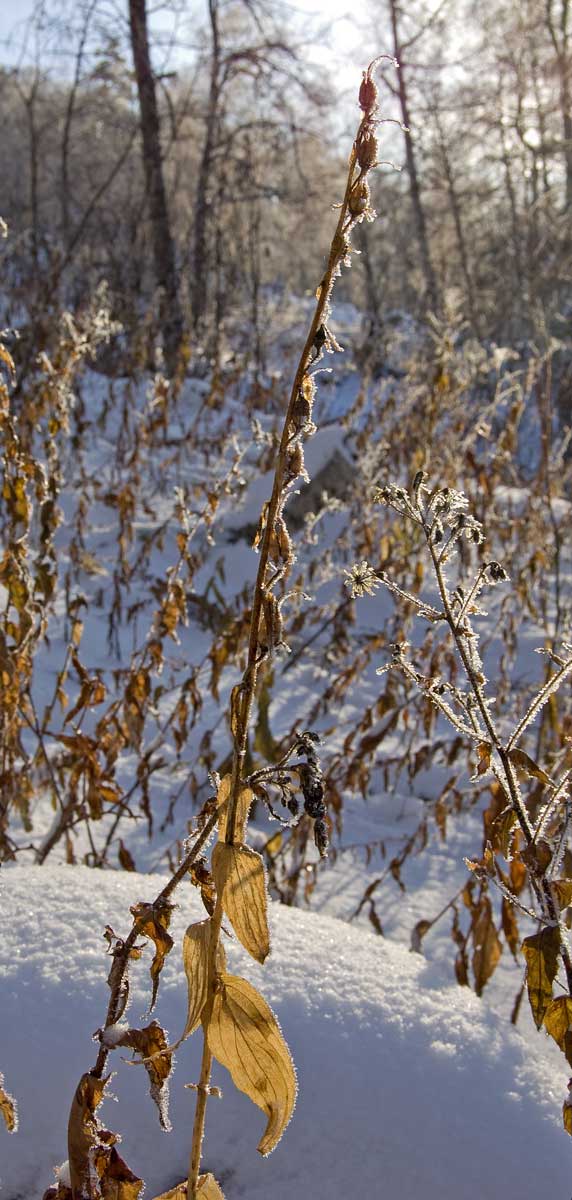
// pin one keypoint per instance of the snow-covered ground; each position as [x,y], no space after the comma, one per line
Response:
[409,1086]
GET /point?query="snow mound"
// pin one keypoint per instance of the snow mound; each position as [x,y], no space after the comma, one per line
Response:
[409,1085]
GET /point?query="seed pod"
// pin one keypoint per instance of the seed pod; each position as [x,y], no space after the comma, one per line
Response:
[367,151]
[359,197]
[367,98]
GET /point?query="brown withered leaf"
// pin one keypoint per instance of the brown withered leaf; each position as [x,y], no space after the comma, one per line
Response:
[91,1151]
[567,1116]
[152,921]
[484,751]
[125,857]
[422,927]
[518,876]
[541,952]
[510,926]
[523,762]
[84,1131]
[563,891]
[208,1188]
[117,1180]
[244,1035]
[151,1044]
[201,878]
[235,707]
[239,876]
[245,798]
[8,1108]
[487,945]
[558,1023]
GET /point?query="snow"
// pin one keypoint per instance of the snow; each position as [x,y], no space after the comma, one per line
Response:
[408,1085]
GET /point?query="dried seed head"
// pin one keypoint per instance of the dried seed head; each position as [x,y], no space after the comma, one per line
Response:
[367,98]
[367,151]
[359,197]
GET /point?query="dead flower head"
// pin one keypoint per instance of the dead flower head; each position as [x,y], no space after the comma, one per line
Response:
[361,579]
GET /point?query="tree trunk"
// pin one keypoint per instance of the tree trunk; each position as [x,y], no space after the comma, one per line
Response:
[199,262]
[163,246]
[432,295]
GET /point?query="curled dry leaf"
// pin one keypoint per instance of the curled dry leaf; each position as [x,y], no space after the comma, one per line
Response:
[244,1035]
[541,953]
[97,1171]
[196,944]
[245,798]
[151,1044]
[8,1108]
[153,921]
[239,876]
[422,927]
[558,1023]
[84,1130]
[487,945]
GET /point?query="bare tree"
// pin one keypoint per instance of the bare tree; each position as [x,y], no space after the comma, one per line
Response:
[171,318]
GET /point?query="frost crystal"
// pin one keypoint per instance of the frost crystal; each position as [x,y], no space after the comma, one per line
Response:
[361,579]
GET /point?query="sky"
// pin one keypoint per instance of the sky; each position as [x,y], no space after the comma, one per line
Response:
[339,15]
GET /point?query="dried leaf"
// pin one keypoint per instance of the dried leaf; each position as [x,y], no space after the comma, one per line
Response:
[487,945]
[151,1044]
[93,1160]
[523,762]
[125,857]
[558,1023]
[421,928]
[196,964]
[510,926]
[208,1188]
[117,1181]
[239,876]
[244,1035]
[563,891]
[8,1108]
[83,1131]
[484,751]
[541,952]
[245,798]
[153,920]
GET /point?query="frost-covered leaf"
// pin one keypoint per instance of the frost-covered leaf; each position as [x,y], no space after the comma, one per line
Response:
[153,921]
[151,1044]
[563,890]
[245,798]
[510,926]
[83,1131]
[244,1035]
[196,944]
[239,876]
[97,1171]
[558,1023]
[541,953]
[8,1108]
[487,945]
[523,762]
[209,1189]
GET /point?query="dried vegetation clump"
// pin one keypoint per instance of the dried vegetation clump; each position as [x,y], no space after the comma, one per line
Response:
[204,720]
